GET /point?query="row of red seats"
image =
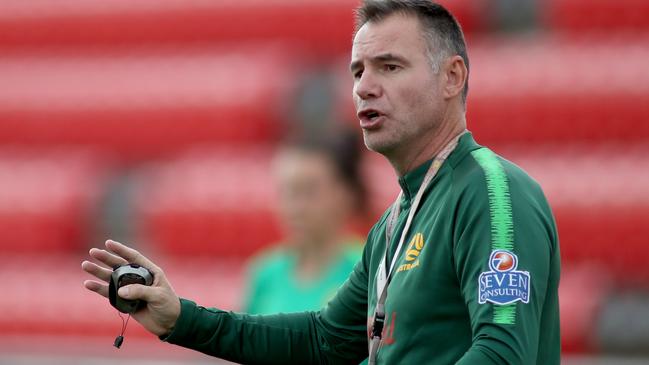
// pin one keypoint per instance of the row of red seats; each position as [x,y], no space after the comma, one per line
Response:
[151,104]
[549,90]
[599,16]
[146,104]
[319,26]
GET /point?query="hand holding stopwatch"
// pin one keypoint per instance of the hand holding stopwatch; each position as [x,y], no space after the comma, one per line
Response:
[122,276]
[126,275]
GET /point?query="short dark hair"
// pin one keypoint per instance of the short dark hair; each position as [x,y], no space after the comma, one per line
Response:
[441,29]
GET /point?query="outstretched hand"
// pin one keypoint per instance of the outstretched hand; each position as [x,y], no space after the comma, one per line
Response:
[163,305]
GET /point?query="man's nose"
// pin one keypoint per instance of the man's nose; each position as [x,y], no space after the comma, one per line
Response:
[367,86]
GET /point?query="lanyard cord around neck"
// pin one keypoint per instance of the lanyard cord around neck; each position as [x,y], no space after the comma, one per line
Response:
[384,274]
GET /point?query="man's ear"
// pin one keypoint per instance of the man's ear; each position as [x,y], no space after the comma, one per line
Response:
[456,74]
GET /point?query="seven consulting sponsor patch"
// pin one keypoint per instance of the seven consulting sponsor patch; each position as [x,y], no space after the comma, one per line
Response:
[503,284]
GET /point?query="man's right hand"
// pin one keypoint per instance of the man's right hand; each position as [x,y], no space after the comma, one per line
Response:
[163,305]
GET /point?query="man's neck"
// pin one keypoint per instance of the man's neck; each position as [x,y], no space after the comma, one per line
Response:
[428,149]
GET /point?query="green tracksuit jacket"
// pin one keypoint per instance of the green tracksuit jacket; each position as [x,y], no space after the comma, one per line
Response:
[476,283]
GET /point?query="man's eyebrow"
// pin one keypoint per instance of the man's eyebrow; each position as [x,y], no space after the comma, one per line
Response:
[389,57]
[384,57]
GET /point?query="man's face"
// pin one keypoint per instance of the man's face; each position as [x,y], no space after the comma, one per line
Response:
[396,93]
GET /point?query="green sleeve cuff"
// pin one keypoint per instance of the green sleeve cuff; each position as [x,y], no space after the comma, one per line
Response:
[184,323]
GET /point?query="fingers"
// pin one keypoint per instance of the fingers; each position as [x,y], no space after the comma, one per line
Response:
[109,259]
[96,270]
[97,287]
[132,256]
[138,291]
[118,255]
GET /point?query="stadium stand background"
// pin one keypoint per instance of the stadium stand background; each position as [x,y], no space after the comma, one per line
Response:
[153,123]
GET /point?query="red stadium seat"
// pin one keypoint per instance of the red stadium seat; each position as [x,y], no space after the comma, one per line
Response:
[600,200]
[582,293]
[209,202]
[47,200]
[545,91]
[599,16]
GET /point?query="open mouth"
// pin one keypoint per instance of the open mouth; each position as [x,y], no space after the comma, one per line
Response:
[369,115]
[370,119]
[372,114]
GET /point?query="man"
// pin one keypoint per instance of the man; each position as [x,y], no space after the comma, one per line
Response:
[472,260]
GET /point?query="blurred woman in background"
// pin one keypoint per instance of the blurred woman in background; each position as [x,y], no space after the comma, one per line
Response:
[320,199]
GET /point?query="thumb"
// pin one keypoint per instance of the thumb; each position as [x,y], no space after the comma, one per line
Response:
[136,291]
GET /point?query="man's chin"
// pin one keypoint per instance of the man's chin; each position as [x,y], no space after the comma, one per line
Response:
[376,145]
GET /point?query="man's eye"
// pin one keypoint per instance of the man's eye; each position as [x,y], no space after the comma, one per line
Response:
[358,74]
[389,67]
